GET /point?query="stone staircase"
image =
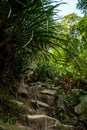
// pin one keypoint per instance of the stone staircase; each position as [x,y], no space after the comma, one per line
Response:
[39,106]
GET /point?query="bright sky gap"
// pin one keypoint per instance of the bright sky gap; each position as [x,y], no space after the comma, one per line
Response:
[68,8]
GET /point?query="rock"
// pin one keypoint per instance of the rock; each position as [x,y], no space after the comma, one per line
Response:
[47,123]
[34,91]
[48,96]
[28,109]
[50,100]
[49,92]
[81,108]
[61,102]
[40,103]
[21,87]
[23,92]
[20,104]
[42,121]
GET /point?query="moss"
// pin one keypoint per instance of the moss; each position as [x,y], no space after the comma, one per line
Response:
[10,112]
[10,127]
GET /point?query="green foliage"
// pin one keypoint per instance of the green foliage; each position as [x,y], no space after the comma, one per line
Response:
[29,35]
[71,57]
[44,71]
[82,5]
[10,112]
[9,126]
[79,92]
[26,28]
[82,27]
[65,108]
[67,54]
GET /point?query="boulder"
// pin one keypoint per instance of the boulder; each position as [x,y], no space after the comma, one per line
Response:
[48,96]
[81,108]
[41,121]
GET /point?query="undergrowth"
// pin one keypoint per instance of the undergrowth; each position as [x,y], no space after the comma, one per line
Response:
[10,112]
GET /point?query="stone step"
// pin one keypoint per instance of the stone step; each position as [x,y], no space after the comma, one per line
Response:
[47,123]
[22,92]
[49,92]
[42,104]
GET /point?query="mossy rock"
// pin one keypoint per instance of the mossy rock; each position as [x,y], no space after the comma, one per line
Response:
[7,126]
[81,110]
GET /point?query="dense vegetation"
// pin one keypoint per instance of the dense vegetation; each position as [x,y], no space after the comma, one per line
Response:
[37,45]
[82,5]
[30,32]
